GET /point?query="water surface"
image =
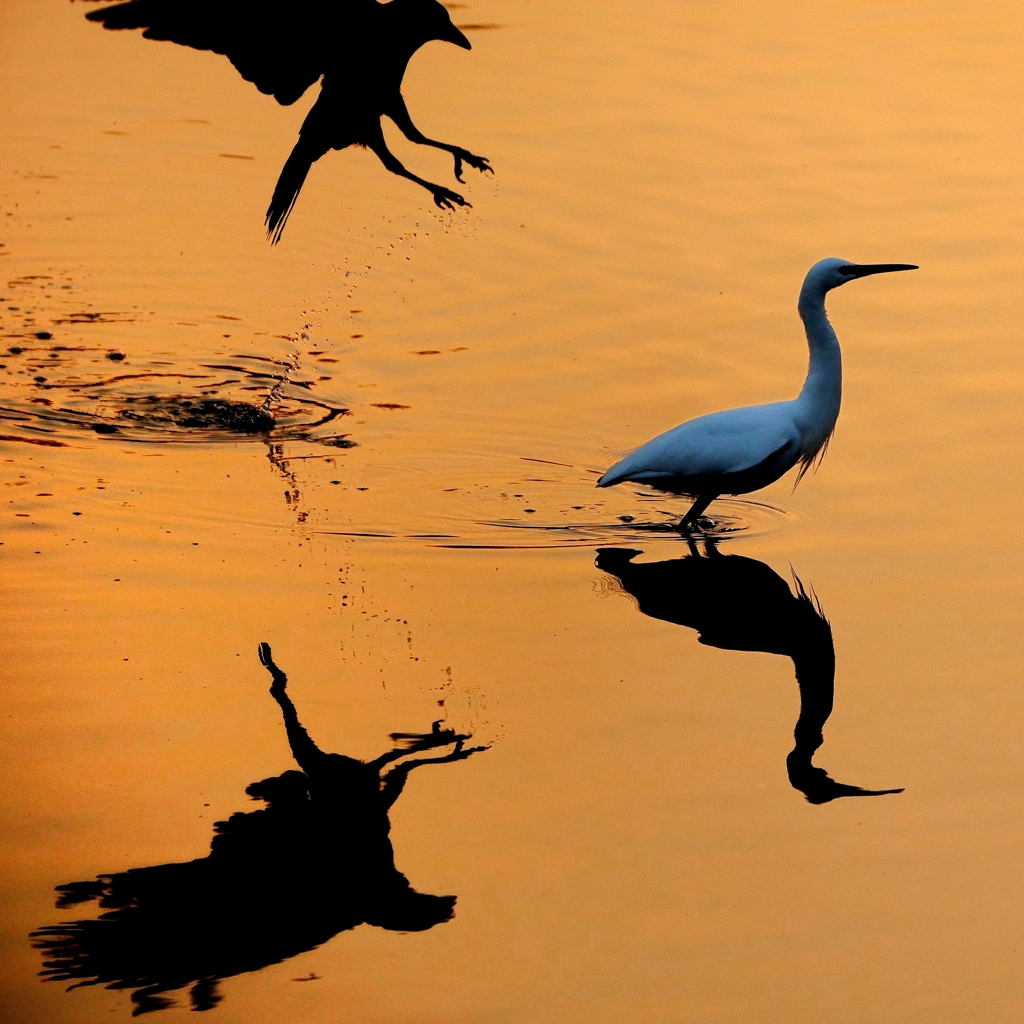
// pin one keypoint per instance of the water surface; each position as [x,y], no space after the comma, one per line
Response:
[416,530]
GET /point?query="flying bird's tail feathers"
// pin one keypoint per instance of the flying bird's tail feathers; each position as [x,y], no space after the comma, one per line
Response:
[289,184]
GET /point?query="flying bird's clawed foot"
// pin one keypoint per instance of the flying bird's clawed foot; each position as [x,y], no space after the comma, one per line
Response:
[479,162]
[446,199]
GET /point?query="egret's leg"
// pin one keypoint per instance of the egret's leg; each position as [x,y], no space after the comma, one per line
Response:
[696,510]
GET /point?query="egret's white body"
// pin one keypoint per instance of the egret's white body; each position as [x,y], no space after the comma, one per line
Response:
[743,450]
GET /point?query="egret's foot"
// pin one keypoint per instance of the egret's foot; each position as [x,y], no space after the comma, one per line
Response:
[479,162]
[446,199]
[700,526]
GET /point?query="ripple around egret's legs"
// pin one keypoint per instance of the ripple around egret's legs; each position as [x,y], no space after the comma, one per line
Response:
[752,518]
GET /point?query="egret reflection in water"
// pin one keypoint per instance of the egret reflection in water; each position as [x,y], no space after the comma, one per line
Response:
[277,882]
[741,604]
[360,48]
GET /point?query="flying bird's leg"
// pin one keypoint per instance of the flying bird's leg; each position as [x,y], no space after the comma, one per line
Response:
[696,511]
[443,197]
[399,113]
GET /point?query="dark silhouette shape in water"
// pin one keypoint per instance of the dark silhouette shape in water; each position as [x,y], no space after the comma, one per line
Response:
[360,47]
[741,604]
[216,414]
[277,882]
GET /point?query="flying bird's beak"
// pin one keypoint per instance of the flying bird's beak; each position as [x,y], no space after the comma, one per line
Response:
[865,269]
[456,37]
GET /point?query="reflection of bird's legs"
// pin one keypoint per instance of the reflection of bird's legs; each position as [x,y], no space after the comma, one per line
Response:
[443,197]
[309,756]
[460,753]
[399,113]
[437,737]
[696,510]
[394,782]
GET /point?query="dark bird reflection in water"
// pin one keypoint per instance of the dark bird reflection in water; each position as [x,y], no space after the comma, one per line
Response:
[741,604]
[360,48]
[277,882]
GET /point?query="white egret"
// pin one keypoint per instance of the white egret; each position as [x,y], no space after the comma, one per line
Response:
[743,450]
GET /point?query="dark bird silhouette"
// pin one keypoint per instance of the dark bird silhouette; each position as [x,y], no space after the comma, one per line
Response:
[277,882]
[741,604]
[361,49]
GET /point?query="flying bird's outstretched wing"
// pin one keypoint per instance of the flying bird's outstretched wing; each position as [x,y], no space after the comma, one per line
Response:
[281,46]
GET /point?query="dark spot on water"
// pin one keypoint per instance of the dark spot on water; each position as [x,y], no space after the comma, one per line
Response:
[626,519]
[104,428]
[43,335]
[39,380]
[341,441]
[15,351]
[203,414]
[115,357]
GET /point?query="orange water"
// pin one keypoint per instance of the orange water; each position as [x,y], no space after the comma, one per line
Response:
[629,848]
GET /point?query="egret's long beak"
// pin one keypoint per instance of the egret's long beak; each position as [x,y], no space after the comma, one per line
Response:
[865,269]
[456,37]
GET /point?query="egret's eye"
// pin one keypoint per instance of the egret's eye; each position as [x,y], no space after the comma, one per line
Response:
[847,271]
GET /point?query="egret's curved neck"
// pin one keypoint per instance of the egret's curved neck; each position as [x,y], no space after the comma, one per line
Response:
[823,389]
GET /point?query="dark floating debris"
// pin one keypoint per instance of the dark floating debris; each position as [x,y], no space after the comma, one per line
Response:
[43,335]
[252,397]
[201,413]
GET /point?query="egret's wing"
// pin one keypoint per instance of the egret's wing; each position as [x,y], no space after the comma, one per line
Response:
[718,444]
[281,46]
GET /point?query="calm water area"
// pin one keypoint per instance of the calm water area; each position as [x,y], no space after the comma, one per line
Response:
[418,536]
